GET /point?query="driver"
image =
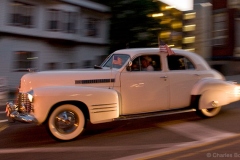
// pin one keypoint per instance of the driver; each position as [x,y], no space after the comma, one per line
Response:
[146,64]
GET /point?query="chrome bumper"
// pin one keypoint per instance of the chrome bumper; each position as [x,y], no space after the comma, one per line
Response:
[18,113]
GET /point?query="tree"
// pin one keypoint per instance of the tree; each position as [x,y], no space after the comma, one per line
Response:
[131,26]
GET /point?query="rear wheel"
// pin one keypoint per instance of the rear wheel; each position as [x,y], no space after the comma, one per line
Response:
[66,122]
[210,112]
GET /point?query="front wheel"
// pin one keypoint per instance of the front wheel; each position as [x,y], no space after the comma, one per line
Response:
[210,112]
[66,122]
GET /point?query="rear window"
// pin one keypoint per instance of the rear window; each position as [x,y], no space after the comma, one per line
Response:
[176,62]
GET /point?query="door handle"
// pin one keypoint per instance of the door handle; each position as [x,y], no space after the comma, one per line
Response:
[163,77]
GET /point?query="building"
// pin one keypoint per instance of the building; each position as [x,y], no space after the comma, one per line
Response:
[50,34]
[211,30]
[225,44]
[203,28]
[170,20]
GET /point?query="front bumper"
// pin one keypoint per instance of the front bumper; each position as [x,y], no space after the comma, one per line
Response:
[18,113]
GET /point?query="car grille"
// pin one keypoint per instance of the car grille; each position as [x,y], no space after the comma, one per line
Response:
[23,99]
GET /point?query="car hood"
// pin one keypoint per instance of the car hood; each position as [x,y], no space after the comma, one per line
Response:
[85,77]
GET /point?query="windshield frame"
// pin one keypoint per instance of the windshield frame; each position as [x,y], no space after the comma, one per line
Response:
[109,62]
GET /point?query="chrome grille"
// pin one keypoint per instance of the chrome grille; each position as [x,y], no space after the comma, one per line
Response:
[23,99]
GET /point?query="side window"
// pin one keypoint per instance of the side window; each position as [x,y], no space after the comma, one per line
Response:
[92,27]
[54,20]
[188,64]
[22,14]
[52,66]
[24,60]
[136,64]
[146,63]
[179,63]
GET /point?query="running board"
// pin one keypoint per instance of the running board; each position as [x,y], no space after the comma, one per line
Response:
[153,114]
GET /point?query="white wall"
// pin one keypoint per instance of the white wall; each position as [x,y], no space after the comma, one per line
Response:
[46,53]
[203,29]
[39,29]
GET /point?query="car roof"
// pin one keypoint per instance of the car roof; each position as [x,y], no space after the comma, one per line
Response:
[197,59]
[133,51]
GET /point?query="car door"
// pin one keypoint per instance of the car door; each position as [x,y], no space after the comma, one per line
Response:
[144,91]
[182,76]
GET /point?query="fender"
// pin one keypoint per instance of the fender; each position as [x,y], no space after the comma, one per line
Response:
[215,92]
[102,103]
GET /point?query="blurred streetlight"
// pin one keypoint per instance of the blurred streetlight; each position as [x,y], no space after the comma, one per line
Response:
[182,5]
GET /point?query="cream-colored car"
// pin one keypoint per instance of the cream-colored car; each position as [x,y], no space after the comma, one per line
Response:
[122,87]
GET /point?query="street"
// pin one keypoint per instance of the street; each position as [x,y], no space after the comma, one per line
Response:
[180,136]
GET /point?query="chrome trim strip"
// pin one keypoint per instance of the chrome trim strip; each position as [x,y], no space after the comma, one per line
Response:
[89,81]
[104,111]
[102,108]
[104,104]
[154,114]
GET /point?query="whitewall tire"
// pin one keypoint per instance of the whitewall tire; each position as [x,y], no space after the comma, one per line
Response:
[208,113]
[66,122]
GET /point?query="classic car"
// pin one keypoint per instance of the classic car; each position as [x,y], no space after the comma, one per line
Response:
[121,88]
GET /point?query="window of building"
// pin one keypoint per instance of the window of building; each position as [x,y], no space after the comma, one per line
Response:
[92,27]
[52,65]
[24,60]
[69,20]
[21,14]
[71,65]
[220,26]
[61,21]
[179,63]
[87,64]
[54,20]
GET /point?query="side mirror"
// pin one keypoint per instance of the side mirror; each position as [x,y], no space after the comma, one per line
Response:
[130,63]
[129,66]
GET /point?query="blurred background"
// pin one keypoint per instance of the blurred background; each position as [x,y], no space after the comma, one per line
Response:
[71,34]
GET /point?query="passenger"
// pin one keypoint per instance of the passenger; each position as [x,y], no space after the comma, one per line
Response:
[146,65]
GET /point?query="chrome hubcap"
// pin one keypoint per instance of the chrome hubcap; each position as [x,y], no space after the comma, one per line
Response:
[210,110]
[66,122]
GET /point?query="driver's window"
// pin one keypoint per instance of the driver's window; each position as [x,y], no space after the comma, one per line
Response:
[136,64]
[146,63]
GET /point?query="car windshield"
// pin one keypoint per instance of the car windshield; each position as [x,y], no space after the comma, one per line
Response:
[115,61]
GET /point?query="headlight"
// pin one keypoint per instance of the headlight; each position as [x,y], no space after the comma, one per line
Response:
[237,91]
[30,96]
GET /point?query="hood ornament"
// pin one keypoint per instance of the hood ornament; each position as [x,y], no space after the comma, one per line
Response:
[32,69]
